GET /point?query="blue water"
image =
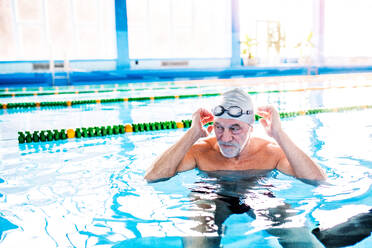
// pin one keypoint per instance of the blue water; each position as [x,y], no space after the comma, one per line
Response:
[91,192]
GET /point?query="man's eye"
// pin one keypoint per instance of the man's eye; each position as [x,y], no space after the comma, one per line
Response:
[235,129]
[219,127]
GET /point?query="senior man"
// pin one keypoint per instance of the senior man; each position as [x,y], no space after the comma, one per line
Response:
[232,147]
[234,151]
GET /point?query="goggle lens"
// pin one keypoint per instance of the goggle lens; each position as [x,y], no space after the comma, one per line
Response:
[233,111]
[219,110]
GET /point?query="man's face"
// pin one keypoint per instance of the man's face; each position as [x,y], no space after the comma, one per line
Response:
[232,136]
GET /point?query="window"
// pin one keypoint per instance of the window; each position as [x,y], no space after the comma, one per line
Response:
[274,31]
[179,29]
[54,29]
[347,28]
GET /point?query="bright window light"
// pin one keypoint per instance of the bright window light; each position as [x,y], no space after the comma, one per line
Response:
[274,31]
[54,29]
[179,29]
[348,28]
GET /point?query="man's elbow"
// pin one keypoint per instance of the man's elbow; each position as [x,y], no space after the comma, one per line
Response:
[152,177]
[322,177]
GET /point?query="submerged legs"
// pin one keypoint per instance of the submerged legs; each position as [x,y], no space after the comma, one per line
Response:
[278,219]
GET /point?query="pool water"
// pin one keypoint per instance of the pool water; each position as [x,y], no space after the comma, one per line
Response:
[91,192]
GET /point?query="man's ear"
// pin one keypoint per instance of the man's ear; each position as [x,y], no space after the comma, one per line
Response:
[251,127]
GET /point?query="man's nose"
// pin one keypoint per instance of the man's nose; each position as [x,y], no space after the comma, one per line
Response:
[226,136]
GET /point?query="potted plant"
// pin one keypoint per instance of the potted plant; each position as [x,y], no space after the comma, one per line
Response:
[247,50]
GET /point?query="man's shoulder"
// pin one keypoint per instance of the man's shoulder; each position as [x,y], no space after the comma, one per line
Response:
[266,145]
[206,143]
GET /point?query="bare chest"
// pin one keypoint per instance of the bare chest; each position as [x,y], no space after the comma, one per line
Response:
[213,160]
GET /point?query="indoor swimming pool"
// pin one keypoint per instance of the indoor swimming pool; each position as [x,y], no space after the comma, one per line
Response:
[90,192]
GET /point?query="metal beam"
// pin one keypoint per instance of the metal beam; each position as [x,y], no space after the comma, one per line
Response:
[121,20]
[235,34]
[319,15]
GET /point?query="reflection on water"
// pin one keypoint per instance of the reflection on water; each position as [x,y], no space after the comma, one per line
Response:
[221,194]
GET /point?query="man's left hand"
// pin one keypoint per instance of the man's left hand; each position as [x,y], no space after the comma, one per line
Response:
[270,120]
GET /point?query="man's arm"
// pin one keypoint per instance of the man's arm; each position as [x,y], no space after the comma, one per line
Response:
[180,157]
[295,162]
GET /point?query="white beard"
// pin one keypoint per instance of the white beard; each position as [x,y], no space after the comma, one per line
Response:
[234,150]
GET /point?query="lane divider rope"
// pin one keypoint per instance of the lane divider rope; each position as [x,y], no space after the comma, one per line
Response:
[96,101]
[146,98]
[22,94]
[55,135]
[88,87]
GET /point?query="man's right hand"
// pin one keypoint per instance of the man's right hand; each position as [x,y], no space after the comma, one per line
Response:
[176,158]
[199,119]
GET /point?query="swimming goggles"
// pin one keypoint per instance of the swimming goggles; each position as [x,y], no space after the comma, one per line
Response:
[233,111]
